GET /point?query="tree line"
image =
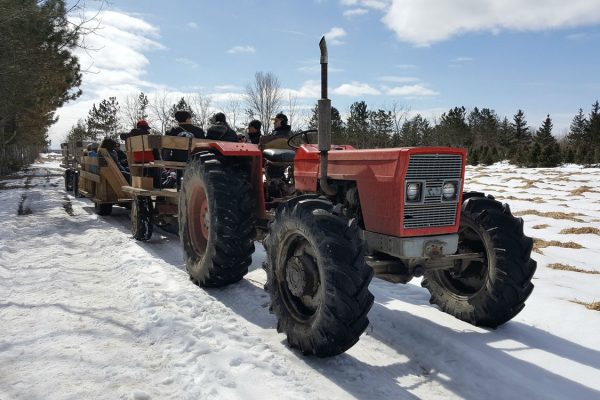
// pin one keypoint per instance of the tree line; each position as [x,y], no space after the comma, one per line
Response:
[38,73]
[487,137]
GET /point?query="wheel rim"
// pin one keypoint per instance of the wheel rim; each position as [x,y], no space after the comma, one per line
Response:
[298,277]
[467,278]
[199,219]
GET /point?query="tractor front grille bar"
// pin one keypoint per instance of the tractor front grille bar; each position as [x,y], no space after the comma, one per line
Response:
[433,170]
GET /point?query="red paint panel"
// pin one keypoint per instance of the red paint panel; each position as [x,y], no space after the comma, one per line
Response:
[379,175]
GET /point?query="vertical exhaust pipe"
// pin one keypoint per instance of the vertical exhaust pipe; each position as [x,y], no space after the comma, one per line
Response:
[324,123]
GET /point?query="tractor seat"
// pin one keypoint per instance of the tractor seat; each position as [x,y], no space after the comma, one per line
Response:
[279,155]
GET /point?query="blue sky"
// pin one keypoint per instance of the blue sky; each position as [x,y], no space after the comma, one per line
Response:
[426,55]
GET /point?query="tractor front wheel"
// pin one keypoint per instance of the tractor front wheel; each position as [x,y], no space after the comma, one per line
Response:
[317,277]
[141,218]
[491,290]
[216,221]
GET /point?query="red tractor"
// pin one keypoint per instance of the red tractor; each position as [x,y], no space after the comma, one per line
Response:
[332,217]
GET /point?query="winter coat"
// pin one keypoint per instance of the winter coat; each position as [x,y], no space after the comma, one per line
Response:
[193,129]
[283,130]
[254,137]
[183,130]
[221,131]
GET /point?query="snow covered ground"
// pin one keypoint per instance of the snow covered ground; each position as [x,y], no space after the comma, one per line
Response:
[86,312]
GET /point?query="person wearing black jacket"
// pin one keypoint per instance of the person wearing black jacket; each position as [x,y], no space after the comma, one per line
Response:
[185,129]
[220,129]
[254,133]
[281,127]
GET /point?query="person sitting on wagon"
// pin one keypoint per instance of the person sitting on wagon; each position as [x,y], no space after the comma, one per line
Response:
[280,125]
[92,151]
[111,146]
[141,128]
[253,131]
[185,128]
[220,129]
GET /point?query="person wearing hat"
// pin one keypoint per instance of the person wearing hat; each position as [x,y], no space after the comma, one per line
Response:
[280,125]
[253,131]
[220,129]
[185,127]
[141,128]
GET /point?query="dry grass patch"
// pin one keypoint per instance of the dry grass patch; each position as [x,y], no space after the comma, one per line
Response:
[595,306]
[552,214]
[580,231]
[581,190]
[566,267]
[540,226]
[539,244]
[530,200]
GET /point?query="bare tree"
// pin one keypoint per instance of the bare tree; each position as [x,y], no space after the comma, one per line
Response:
[399,115]
[292,108]
[200,104]
[263,97]
[233,108]
[160,106]
[135,108]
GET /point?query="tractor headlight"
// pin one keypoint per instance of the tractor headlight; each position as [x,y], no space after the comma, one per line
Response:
[449,190]
[413,191]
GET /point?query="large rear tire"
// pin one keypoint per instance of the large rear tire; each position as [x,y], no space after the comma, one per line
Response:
[317,277]
[141,218]
[69,180]
[492,291]
[216,221]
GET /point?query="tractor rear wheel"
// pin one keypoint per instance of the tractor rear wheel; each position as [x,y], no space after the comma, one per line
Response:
[492,290]
[216,221]
[69,180]
[141,218]
[317,278]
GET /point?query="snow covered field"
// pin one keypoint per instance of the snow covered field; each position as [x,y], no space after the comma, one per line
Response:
[86,312]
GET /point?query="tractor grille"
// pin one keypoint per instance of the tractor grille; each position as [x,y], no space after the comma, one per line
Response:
[433,170]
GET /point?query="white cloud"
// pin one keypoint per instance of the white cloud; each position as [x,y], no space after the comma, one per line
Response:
[241,49]
[462,59]
[225,97]
[192,25]
[374,4]
[310,89]
[187,62]
[406,66]
[354,12]
[356,89]
[398,79]
[334,35]
[114,65]
[227,87]
[411,91]
[423,22]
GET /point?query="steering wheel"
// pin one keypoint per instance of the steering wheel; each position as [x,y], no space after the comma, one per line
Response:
[305,139]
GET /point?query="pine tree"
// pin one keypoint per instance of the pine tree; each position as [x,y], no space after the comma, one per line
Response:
[592,135]
[484,125]
[103,120]
[578,128]
[416,132]
[181,105]
[520,130]
[337,124]
[453,129]
[358,124]
[78,132]
[381,126]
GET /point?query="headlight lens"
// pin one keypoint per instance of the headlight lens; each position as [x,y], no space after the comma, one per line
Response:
[413,191]
[449,190]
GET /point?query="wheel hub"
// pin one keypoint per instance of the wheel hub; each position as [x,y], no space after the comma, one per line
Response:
[302,276]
